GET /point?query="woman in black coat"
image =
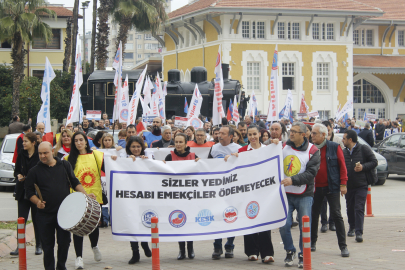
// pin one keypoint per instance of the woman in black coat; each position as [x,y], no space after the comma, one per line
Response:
[25,161]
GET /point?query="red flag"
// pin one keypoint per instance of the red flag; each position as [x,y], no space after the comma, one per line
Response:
[229,115]
[16,148]
[140,127]
[48,137]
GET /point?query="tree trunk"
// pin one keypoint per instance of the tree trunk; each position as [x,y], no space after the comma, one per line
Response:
[68,45]
[125,26]
[74,41]
[102,34]
[17,55]
[93,36]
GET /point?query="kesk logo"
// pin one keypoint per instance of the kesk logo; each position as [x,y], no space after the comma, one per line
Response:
[252,209]
[292,165]
[204,217]
[230,214]
[147,217]
[177,218]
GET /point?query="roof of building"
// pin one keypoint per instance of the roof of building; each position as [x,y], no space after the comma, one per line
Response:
[393,9]
[379,64]
[316,5]
[62,12]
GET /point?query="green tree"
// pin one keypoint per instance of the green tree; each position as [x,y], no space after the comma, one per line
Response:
[101,53]
[20,21]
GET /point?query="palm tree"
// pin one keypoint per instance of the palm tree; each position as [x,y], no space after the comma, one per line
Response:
[93,36]
[102,42]
[68,44]
[20,22]
[74,41]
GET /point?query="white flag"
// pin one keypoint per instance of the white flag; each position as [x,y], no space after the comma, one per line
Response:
[161,96]
[133,104]
[44,114]
[288,104]
[195,104]
[253,105]
[165,88]
[217,109]
[145,107]
[272,114]
[123,102]
[347,108]
[235,113]
[154,104]
[117,64]
[74,108]
[81,109]
[147,94]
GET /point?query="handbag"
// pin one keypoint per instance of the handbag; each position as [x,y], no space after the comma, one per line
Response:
[371,175]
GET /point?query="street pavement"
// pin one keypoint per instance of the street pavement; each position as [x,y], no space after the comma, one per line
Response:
[383,246]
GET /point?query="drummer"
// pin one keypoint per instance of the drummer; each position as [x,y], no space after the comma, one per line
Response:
[51,177]
[87,166]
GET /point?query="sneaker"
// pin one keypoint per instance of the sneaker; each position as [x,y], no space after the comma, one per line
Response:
[359,238]
[79,263]
[252,258]
[300,261]
[350,233]
[268,259]
[345,252]
[332,227]
[228,253]
[97,254]
[289,258]
[313,246]
[324,228]
[217,253]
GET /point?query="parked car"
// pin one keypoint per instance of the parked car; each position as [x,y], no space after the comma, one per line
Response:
[393,150]
[6,164]
[382,167]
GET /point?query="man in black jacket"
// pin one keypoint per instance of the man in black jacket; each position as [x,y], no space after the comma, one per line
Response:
[51,177]
[379,130]
[243,105]
[360,163]
[367,135]
[166,140]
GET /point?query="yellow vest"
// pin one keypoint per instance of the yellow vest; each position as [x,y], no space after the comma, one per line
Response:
[57,135]
[87,170]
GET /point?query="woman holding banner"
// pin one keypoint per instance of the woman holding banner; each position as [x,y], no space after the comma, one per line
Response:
[258,242]
[135,148]
[182,152]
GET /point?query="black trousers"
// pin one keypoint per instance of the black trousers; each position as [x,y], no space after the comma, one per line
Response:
[259,243]
[355,203]
[242,112]
[78,242]
[182,245]
[135,246]
[334,206]
[49,224]
[324,215]
[24,207]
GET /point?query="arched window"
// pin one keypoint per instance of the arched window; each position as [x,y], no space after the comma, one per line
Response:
[367,98]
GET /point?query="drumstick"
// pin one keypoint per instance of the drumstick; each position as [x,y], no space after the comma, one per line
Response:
[39,192]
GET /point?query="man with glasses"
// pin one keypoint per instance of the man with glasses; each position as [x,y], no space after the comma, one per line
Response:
[301,164]
[200,139]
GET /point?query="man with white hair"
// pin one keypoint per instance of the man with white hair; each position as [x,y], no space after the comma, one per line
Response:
[330,182]
[166,140]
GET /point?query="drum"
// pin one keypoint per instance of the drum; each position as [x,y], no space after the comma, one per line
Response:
[79,214]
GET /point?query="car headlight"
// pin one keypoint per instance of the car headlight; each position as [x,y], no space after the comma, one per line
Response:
[382,162]
[5,166]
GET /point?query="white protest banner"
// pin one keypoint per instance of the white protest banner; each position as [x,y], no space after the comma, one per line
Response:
[161,100]
[195,104]
[90,115]
[123,101]
[44,114]
[217,108]
[371,117]
[387,133]
[253,105]
[112,152]
[180,121]
[202,200]
[161,153]
[133,104]
[288,104]
[272,114]
[313,114]
[347,108]
[235,112]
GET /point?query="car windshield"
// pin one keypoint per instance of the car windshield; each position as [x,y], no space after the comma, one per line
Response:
[359,140]
[9,145]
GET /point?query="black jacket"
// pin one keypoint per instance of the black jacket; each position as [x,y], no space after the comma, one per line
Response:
[367,135]
[160,143]
[366,157]
[23,164]
[261,125]
[380,129]
[243,102]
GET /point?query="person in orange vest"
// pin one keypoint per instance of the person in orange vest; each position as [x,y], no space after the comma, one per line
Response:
[182,152]
[200,139]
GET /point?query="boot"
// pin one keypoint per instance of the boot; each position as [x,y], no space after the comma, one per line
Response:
[135,257]
[15,252]
[146,249]
[38,249]
[182,252]
[190,250]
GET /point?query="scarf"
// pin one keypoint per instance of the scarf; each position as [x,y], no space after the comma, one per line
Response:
[67,149]
[321,145]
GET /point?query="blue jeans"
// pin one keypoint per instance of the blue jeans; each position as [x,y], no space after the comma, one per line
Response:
[229,244]
[303,205]
[106,216]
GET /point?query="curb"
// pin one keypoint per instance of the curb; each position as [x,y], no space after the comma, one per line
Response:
[9,243]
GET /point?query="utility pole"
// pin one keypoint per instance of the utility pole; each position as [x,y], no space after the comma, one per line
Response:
[85,5]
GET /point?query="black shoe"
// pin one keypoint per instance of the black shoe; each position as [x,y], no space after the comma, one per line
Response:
[190,252]
[332,227]
[345,252]
[182,255]
[313,246]
[359,238]
[324,228]
[217,253]
[135,257]
[228,253]
[300,261]
[294,224]
[289,258]
[146,249]
[350,233]
[38,249]
[15,252]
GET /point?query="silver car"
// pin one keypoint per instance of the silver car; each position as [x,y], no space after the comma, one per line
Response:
[6,164]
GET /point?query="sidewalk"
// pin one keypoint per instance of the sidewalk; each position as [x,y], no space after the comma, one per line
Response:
[8,239]
[382,235]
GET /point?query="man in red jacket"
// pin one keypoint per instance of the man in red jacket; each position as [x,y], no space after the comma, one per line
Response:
[330,181]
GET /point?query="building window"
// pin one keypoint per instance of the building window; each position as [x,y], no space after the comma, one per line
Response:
[5,45]
[401,40]
[354,113]
[324,115]
[139,56]
[293,30]
[288,75]
[38,73]
[245,29]
[315,31]
[322,30]
[53,44]
[151,46]
[369,37]
[330,31]
[356,37]
[148,36]
[128,55]
[362,111]
[363,37]
[129,46]
[138,36]
[130,37]
[139,46]
[371,111]
[260,29]
[322,80]
[281,30]
[381,113]
[253,76]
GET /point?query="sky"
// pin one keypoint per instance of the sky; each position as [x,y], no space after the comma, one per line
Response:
[89,18]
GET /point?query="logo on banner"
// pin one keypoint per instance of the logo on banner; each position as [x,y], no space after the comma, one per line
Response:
[147,218]
[230,214]
[177,218]
[124,114]
[252,210]
[292,165]
[204,217]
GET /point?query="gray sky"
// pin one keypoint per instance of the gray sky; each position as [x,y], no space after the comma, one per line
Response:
[89,18]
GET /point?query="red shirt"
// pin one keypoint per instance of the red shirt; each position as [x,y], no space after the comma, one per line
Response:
[321,179]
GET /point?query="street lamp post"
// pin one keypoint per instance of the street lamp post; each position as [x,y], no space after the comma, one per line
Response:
[85,5]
